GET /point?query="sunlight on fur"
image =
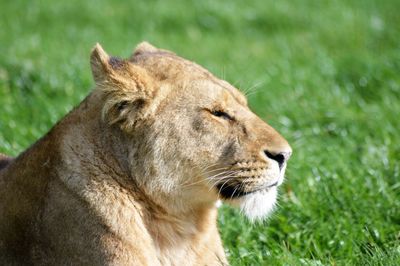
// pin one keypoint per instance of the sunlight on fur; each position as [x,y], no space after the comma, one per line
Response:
[134,174]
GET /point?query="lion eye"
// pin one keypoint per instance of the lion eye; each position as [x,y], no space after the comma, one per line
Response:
[222,114]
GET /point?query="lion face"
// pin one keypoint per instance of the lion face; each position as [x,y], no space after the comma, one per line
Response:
[236,155]
[205,143]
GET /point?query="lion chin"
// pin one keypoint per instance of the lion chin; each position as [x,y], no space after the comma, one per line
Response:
[257,205]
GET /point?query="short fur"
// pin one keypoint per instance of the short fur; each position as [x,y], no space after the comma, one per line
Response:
[132,175]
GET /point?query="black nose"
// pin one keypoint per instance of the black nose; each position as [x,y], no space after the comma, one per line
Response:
[280,157]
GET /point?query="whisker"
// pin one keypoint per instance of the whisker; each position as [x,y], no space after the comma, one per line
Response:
[222,186]
[209,179]
[253,89]
[236,187]
[204,172]
[219,180]
[214,170]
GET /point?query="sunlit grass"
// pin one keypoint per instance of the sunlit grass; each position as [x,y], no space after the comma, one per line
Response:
[327,77]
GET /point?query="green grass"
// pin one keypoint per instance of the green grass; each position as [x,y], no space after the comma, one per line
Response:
[328,76]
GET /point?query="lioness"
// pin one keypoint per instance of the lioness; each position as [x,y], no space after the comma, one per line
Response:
[132,175]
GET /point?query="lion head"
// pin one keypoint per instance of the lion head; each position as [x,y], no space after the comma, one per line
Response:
[191,137]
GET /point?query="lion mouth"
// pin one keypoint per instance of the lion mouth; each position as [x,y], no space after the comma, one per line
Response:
[229,191]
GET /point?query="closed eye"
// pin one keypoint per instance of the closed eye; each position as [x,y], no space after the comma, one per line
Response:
[222,114]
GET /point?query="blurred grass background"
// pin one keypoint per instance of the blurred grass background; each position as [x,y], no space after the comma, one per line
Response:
[325,73]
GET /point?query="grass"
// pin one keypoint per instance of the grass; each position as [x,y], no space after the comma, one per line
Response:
[328,76]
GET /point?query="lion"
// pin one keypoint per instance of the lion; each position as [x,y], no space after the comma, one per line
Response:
[132,175]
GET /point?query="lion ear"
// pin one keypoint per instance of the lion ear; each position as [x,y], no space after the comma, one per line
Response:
[127,88]
[99,61]
[109,69]
[145,47]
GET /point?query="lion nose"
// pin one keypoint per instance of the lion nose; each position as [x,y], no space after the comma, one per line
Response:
[280,157]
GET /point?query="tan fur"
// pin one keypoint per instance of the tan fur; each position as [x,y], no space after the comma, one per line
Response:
[132,175]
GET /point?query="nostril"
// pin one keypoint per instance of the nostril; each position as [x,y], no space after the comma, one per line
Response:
[280,158]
